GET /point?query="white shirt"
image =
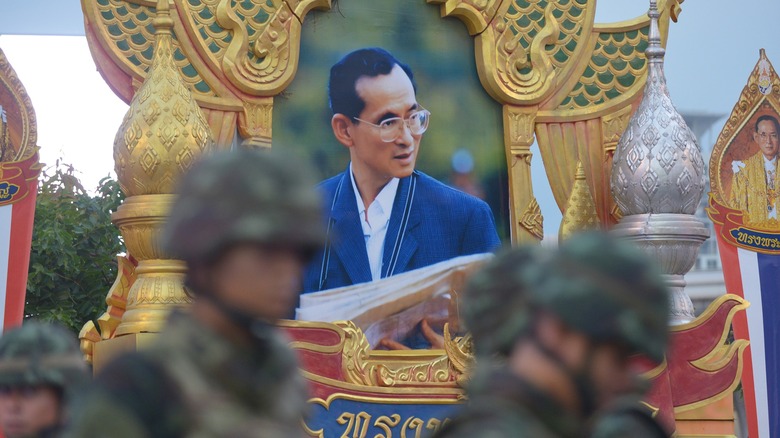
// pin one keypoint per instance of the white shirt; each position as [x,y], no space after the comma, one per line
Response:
[770,166]
[375,221]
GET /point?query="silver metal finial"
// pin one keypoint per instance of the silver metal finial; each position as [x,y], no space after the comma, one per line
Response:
[658,180]
[655,52]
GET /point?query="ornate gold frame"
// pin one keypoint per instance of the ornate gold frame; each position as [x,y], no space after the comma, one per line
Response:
[25,130]
[750,100]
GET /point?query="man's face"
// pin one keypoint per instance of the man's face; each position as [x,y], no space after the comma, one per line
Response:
[614,373]
[385,96]
[766,137]
[28,410]
[261,280]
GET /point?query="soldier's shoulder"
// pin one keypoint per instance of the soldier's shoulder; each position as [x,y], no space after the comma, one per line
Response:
[631,418]
[494,421]
[136,387]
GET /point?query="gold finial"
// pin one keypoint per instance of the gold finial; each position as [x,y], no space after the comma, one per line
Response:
[162,135]
[164,131]
[162,22]
[580,214]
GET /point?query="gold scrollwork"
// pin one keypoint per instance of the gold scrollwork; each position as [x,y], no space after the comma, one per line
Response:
[117,304]
[356,353]
[476,14]
[360,368]
[452,367]
[529,75]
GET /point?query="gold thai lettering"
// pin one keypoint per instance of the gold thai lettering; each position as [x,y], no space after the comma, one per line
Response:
[360,425]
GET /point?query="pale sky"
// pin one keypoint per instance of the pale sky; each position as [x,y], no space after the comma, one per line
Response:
[711,51]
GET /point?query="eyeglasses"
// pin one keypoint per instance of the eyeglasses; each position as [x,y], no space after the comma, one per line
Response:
[391,129]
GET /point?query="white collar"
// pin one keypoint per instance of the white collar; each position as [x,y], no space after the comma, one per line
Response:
[384,199]
[770,164]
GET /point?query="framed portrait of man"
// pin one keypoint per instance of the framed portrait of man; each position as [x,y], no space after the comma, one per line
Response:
[748,171]
[388,106]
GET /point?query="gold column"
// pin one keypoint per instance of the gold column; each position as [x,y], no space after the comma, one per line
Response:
[162,135]
[525,214]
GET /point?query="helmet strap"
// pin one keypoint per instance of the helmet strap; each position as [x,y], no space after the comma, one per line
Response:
[255,327]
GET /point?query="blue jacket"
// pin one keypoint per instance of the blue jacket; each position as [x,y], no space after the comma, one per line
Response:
[442,223]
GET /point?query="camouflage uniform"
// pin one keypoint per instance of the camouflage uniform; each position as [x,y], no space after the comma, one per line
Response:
[599,286]
[40,353]
[194,381]
[628,417]
[502,404]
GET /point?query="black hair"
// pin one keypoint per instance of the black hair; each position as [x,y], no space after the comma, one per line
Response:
[370,62]
[772,119]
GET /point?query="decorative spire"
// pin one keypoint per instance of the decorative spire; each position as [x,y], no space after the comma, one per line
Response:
[655,52]
[161,136]
[164,131]
[657,167]
[580,214]
[658,181]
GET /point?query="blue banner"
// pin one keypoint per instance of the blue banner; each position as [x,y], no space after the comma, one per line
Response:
[356,417]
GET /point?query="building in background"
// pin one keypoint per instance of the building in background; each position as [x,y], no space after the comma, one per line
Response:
[705,280]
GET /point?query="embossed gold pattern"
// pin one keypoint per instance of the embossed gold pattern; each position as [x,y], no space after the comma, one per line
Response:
[580,214]
[532,220]
[161,136]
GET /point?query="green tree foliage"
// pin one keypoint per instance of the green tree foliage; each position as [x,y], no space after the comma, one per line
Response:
[74,248]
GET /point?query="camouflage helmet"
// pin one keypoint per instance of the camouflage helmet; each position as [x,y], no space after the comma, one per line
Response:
[41,353]
[496,305]
[596,284]
[243,196]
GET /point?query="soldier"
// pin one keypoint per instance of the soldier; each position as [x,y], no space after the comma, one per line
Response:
[627,416]
[553,333]
[245,223]
[40,369]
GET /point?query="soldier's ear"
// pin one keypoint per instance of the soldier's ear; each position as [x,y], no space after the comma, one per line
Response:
[342,125]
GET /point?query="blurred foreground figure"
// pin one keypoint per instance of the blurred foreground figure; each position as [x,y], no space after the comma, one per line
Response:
[245,223]
[556,334]
[40,369]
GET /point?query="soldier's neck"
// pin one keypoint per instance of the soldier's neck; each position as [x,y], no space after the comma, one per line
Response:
[537,368]
[210,316]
